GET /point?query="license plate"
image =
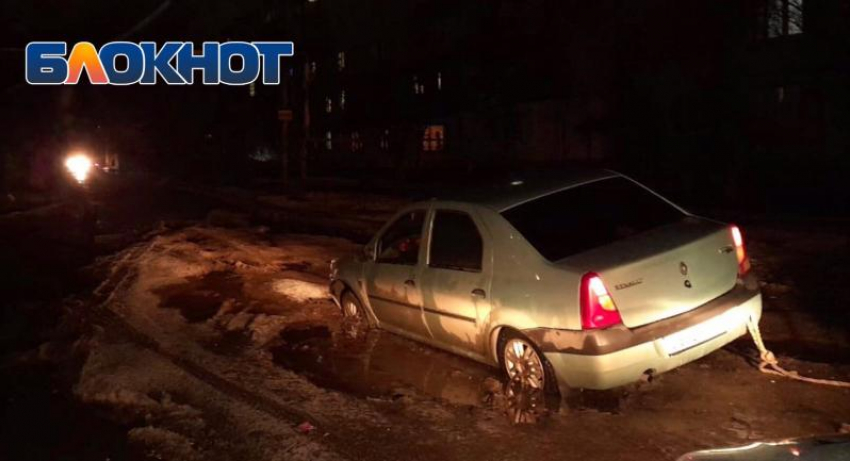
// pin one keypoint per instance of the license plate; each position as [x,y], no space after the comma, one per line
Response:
[694,336]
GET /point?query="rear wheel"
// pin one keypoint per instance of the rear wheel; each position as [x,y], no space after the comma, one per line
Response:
[524,364]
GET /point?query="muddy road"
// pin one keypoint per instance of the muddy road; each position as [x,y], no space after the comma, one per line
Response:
[215,340]
[234,329]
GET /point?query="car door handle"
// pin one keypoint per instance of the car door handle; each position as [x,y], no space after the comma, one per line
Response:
[479,293]
[410,283]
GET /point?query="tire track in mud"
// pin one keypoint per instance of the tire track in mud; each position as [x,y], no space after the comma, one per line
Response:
[122,276]
[367,441]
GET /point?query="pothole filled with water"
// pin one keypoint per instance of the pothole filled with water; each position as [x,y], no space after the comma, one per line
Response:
[200,298]
[378,364]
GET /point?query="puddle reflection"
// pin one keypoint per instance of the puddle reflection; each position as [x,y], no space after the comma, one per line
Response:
[377,364]
[200,298]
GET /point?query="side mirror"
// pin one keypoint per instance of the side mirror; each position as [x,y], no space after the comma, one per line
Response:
[369,252]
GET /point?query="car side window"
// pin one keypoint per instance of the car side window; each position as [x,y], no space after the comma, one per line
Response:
[455,242]
[400,242]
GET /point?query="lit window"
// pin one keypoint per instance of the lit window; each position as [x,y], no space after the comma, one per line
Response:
[385,140]
[340,60]
[329,105]
[356,142]
[252,90]
[439,81]
[788,96]
[342,100]
[784,17]
[795,17]
[329,141]
[262,154]
[433,138]
[418,88]
[313,67]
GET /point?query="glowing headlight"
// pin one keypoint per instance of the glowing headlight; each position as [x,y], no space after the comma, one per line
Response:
[79,166]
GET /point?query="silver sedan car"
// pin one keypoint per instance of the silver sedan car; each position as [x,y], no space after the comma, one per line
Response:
[591,281]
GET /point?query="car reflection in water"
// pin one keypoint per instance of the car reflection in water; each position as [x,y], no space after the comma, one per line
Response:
[821,448]
[373,363]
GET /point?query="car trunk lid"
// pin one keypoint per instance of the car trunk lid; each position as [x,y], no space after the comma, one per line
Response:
[665,271]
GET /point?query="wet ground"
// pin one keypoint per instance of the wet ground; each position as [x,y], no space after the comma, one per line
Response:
[216,339]
[199,298]
[379,364]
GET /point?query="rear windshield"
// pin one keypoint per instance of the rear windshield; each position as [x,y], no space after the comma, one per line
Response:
[589,216]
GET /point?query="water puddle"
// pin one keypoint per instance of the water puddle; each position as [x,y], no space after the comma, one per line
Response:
[199,298]
[379,364]
[382,365]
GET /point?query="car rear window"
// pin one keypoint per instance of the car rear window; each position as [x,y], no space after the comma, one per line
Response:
[589,216]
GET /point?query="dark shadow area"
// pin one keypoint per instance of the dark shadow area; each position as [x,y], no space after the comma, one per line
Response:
[40,421]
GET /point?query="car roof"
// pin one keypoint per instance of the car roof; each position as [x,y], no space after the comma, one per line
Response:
[503,194]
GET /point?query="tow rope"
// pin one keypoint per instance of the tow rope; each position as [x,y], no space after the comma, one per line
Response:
[768,363]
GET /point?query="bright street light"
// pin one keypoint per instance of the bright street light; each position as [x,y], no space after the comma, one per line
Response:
[79,166]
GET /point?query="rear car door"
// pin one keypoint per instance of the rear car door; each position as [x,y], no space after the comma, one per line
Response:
[391,280]
[455,280]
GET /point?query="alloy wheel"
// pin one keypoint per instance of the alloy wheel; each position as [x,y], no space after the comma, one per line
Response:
[523,364]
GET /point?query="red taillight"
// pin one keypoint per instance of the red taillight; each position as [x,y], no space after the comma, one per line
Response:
[597,307]
[740,251]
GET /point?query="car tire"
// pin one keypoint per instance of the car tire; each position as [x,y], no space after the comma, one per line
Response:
[353,309]
[350,305]
[512,338]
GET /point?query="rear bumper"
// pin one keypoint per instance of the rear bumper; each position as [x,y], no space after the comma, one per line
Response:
[604,359]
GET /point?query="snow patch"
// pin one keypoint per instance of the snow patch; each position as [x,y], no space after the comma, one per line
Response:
[239,321]
[299,290]
[264,328]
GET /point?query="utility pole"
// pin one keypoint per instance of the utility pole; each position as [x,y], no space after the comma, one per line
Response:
[284,116]
[306,77]
[305,139]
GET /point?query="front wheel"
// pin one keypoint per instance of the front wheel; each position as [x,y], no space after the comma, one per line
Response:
[351,307]
[353,310]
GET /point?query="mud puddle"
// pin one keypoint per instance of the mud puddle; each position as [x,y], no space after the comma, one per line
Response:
[379,364]
[200,298]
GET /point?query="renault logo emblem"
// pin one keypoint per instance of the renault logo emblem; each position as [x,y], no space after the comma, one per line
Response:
[683,268]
